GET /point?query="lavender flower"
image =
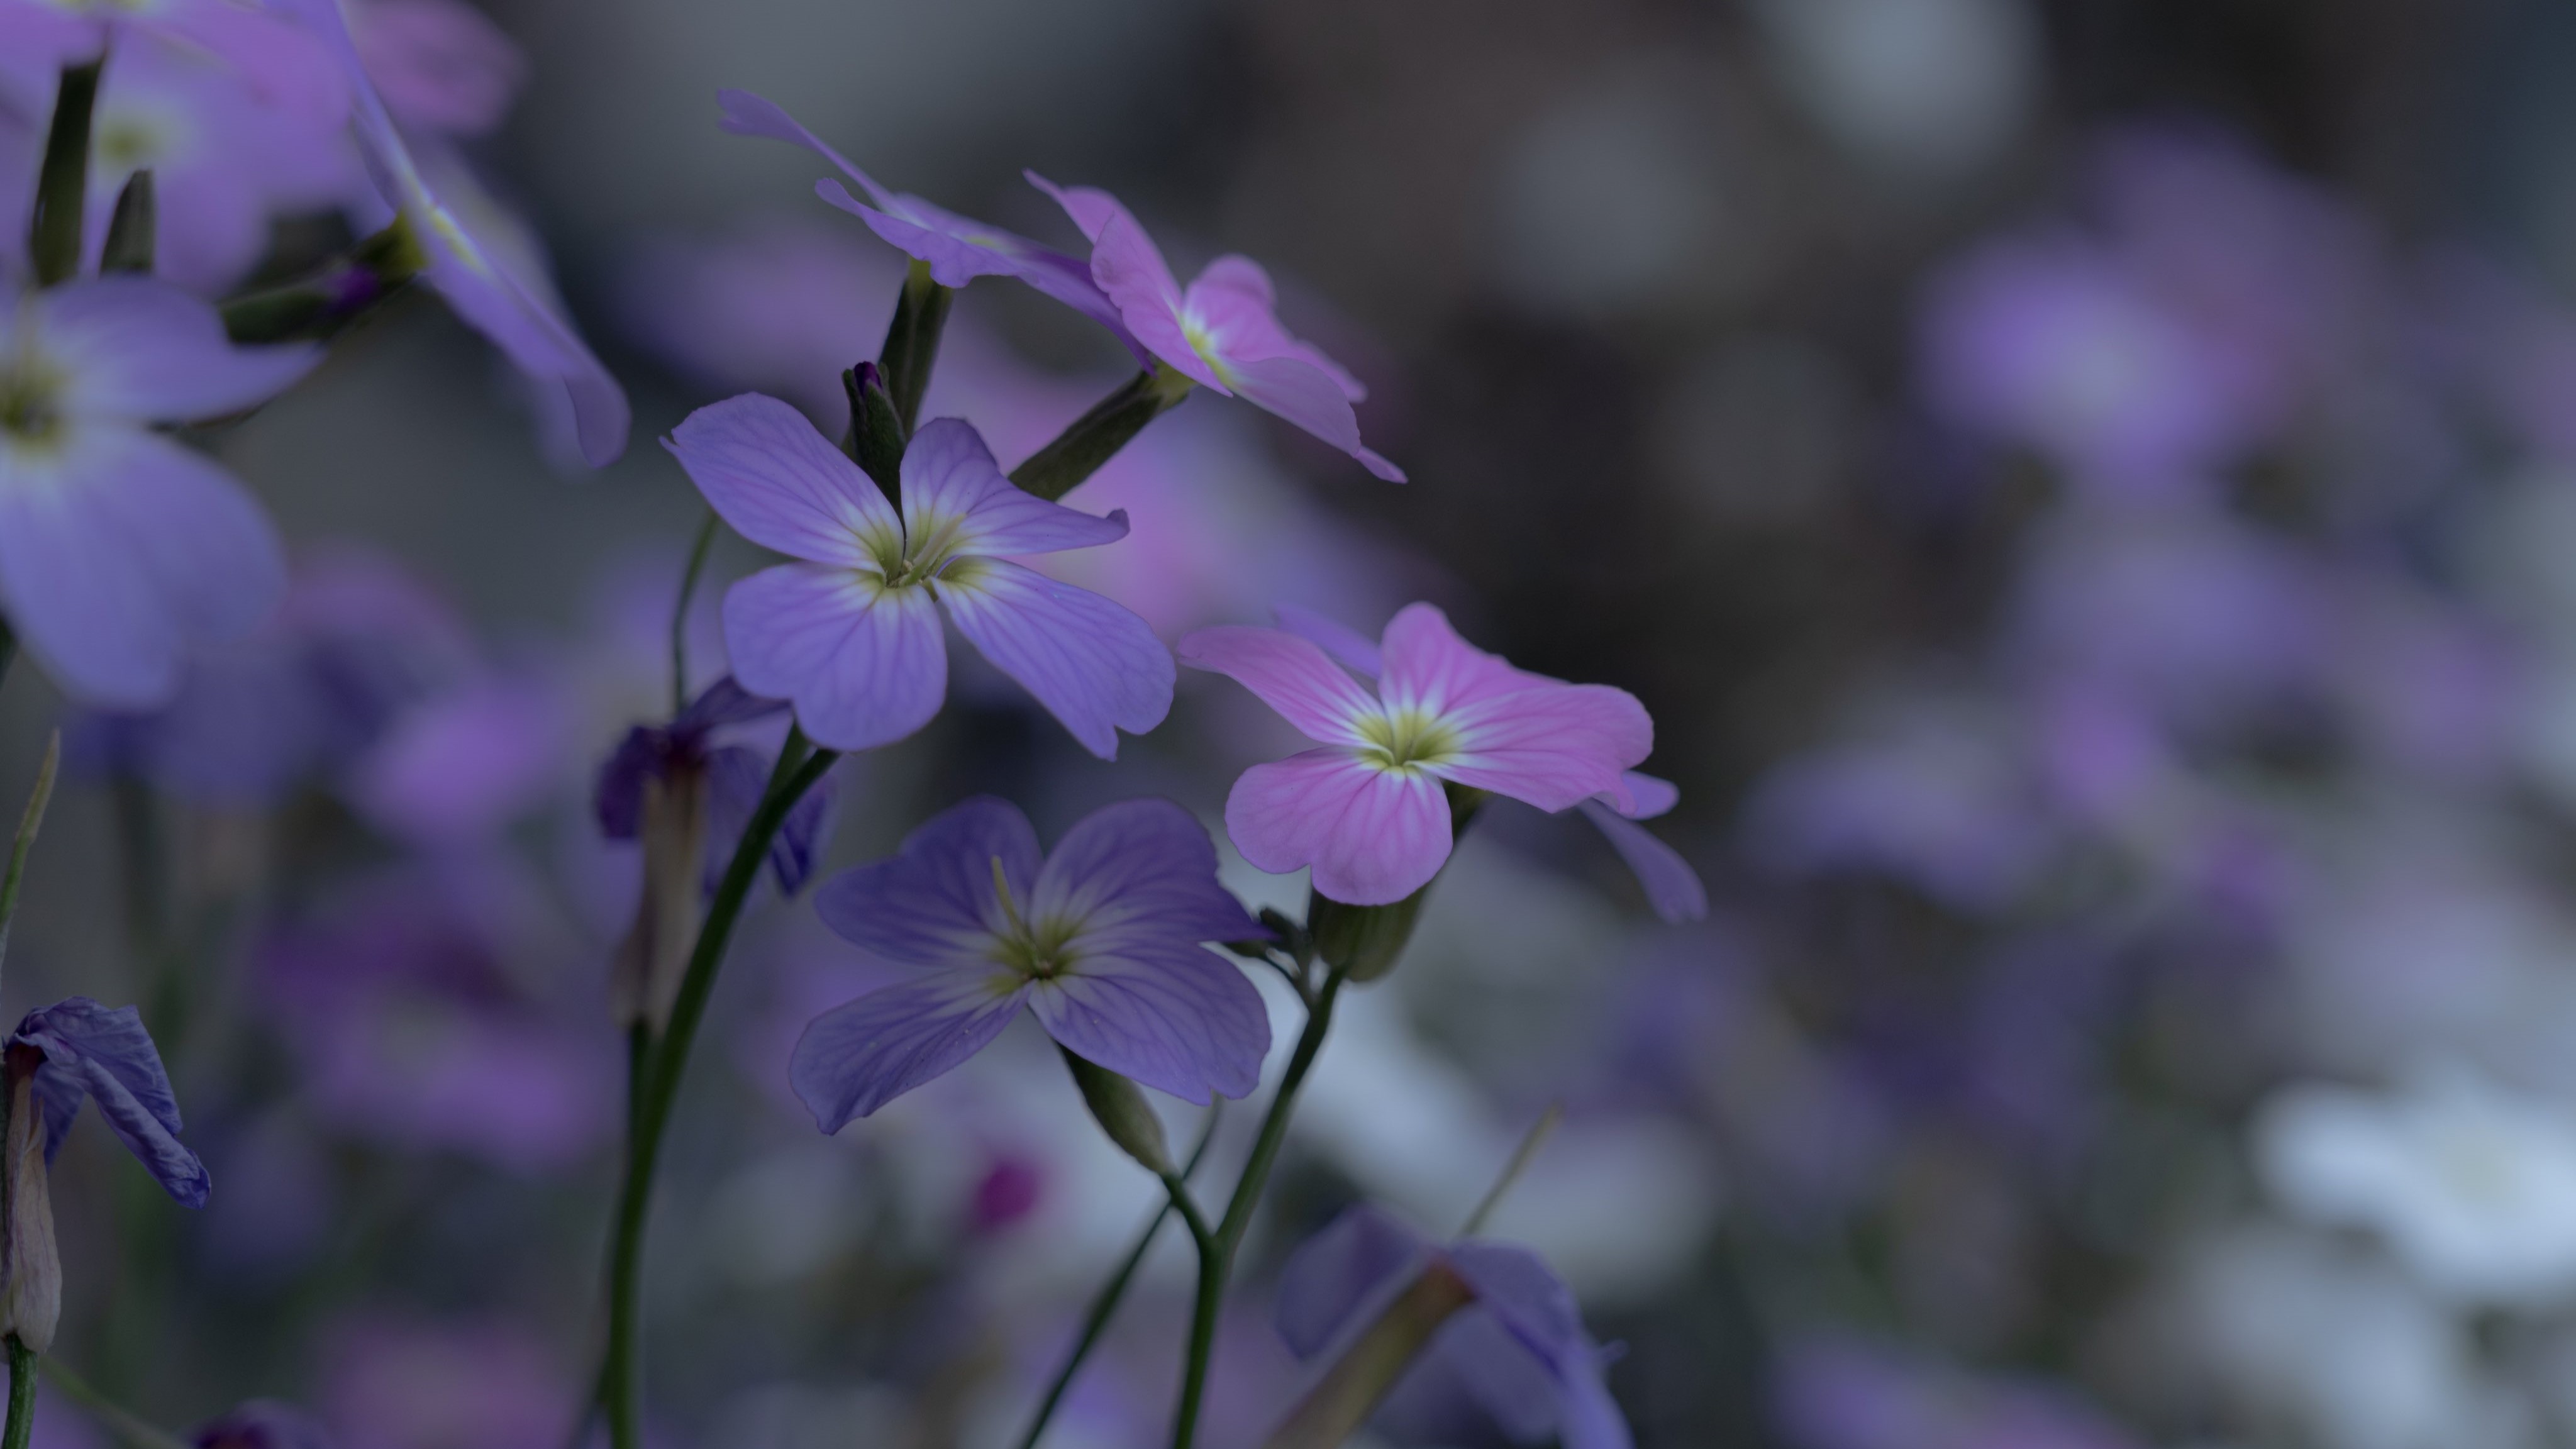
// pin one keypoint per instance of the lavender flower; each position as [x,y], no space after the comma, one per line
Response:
[1367,810]
[441,65]
[957,249]
[1101,940]
[480,259]
[282,64]
[850,633]
[120,549]
[1223,332]
[1519,1346]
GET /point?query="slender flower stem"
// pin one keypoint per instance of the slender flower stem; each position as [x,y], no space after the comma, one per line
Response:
[22,1396]
[680,613]
[127,1426]
[1512,1169]
[658,1084]
[28,824]
[1094,438]
[62,186]
[1217,1248]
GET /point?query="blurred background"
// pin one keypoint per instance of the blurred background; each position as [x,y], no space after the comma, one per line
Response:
[2085,487]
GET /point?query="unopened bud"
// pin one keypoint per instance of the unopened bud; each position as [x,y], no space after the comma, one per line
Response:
[1119,1106]
[31,1272]
[877,434]
[655,954]
[132,228]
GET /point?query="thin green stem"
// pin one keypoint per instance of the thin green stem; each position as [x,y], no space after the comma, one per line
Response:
[62,185]
[1217,1249]
[28,824]
[1512,1169]
[137,1433]
[22,1396]
[659,1084]
[680,613]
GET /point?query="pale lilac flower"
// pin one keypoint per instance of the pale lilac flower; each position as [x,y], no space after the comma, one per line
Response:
[1367,809]
[1101,940]
[1520,1349]
[452,771]
[1672,887]
[957,249]
[1223,332]
[120,550]
[850,633]
[441,65]
[282,64]
[92,1053]
[481,259]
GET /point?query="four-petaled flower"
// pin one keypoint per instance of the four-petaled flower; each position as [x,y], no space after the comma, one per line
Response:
[119,548]
[1223,332]
[1367,810]
[850,633]
[1102,941]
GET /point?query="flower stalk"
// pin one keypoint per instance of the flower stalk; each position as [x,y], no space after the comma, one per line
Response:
[62,186]
[1094,438]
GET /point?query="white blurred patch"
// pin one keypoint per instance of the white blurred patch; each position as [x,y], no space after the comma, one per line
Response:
[787,1214]
[1910,85]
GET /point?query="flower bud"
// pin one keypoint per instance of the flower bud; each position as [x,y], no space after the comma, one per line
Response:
[132,229]
[31,1272]
[1363,942]
[655,954]
[1119,1106]
[877,433]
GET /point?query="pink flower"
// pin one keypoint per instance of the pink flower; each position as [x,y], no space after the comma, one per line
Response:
[1367,810]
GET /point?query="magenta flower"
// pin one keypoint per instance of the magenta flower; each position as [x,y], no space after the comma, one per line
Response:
[1222,333]
[957,249]
[1367,810]
[1102,941]
[119,548]
[850,633]
[481,260]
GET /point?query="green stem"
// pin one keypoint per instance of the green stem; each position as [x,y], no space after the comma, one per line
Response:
[339,292]
[912,342]
[62,186]
[621,1381]
[22,1396]
[28,824]
[680,613]
[133,229]
[1094,438]
[8,649]
[1217,1249]
[124,1425]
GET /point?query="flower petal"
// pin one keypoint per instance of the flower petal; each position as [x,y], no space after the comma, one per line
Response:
[1430,668]
[1647,796]
[1096,667]
[1177,1018]
[1373,836]
[106,1054]
[722,703]
[932,904]
[749,114]
[1671,886]
[857,1057]
[951,482]
[123,550]
[959,249]
[1297,391]
[1236,306]
[1347,1267]
[737,777]
[953,260]
[777,482]
[1552,746]
[1141,869]
[1350,648]
[144,351]
[1289,674]
[863,664]
[1536,1308]
[1130,270]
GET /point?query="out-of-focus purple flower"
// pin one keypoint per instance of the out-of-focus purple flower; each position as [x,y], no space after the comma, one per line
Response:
[392,1383]
[1519,1348]
[850,634]
[1101,940]
[481,259]
[1223,332]
[1367,810]
[441,65]
[957,249]
[224,160]
[1671,886]
[1839,1394]
[455,769]
[282,64]
[120,550]
[262,1424]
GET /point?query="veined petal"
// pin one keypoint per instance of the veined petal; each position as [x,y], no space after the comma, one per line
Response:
[864,665]
[954,491]
[144,351]
[857,1057]
[750,114]
[121,551]
[1430,668]
[1129,269]
[1671,886]
[1373,836]
[1553,746]
[932,904]
[1289,674]
[1144,868]
[1237,310]
[1096,667]
[775,480]
[1350,648]
[1177,1018]
[109,1057]
[1296,391]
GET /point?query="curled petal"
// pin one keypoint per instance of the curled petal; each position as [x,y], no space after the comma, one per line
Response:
[144,350]
[1373,836]
[107,1056]
[737,777]
[775,480]
[1234,301]
[722,703]
[856,1058]
[1671,886]
[1141,866]
[617,801]
[1554,746]
[750,114]
[1177,1018]
[1096,667]
[950,482]
[1290,675]
[932,904]
[863,664]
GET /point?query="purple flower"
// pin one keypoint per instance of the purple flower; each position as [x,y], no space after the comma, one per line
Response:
[1102,941]
[441,65]
[453,770]
[1837,1394]
[1222,333]
[851,635]
[1367,810]
[91,1053]
[261,1424]
[1519,1348]
[957,249]
[480,259]
[1671,886]
[282,64]
[120,549]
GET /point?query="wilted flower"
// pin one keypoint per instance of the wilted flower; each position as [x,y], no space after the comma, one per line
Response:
[1367,810]
[851,633]
[1102,940]
[120,549]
